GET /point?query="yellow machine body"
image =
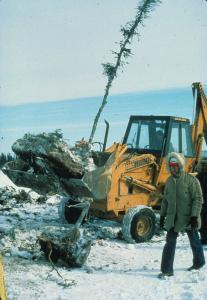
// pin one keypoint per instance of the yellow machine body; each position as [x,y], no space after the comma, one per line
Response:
[129,181]
[2,283]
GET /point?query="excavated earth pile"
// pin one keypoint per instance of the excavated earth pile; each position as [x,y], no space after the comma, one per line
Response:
[32,189]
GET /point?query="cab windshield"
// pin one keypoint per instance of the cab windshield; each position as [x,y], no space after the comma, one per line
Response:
[146,134]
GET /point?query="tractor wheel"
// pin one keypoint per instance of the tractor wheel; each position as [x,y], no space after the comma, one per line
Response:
[68,214]
[138,224]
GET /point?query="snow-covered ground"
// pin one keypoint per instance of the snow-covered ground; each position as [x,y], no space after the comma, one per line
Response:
[114,269]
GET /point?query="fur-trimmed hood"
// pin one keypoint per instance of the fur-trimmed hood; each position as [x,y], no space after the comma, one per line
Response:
[179,157]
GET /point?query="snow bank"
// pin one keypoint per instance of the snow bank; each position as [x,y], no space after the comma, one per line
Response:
[5,181]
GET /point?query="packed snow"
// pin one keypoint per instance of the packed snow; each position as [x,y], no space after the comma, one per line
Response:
[114,269]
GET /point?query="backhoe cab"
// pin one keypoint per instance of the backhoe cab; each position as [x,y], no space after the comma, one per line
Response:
[158,135]
[129,186]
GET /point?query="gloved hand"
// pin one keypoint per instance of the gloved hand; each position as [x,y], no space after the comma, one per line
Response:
[162,222]
[193,222]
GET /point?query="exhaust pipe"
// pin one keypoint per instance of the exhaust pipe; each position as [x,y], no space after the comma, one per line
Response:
[106,135]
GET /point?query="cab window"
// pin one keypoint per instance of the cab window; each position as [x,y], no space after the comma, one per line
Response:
[174,139]
[146,134]
[186,140]
[180,139]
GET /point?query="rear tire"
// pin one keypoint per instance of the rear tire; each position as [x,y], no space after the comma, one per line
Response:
[138,224]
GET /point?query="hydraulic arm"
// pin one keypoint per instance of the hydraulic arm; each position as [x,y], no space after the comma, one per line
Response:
[199,127]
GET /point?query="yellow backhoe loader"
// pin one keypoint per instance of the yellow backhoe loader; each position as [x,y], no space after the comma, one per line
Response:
[128,184]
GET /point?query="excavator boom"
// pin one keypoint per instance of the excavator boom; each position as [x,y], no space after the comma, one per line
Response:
[199,127]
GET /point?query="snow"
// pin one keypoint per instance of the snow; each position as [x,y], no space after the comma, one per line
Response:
[5,181]
[114,269]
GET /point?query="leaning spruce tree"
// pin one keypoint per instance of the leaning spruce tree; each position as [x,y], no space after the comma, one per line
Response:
[110,70]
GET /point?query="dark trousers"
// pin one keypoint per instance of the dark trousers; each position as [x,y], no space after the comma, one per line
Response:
[203,230]
[168,253]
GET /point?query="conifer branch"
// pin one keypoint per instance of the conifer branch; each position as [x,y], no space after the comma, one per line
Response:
[110,70]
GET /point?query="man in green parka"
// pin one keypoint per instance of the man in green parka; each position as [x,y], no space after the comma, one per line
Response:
[180,211]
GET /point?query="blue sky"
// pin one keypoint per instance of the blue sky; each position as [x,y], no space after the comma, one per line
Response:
[53,49]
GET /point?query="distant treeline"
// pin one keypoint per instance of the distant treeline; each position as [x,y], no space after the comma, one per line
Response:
[5,158]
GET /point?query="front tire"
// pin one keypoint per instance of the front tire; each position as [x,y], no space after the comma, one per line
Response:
[138,224]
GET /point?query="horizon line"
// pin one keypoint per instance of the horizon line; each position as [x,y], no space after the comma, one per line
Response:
[97,96]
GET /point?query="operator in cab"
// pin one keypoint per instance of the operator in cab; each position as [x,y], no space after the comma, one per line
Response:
[158,141]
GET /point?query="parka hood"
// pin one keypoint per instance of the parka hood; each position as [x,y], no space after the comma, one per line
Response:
[179,157]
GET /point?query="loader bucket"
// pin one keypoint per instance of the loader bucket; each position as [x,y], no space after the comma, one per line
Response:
[99,180]
[77,188]
[74,208]
[94,186]
[73,211]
